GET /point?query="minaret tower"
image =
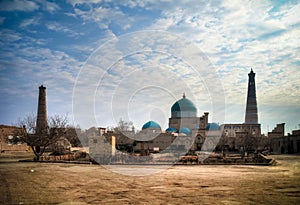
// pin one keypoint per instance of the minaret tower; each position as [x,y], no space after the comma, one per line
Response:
[41,122]
[251,107]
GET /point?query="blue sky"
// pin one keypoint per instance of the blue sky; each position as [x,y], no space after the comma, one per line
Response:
[80,51]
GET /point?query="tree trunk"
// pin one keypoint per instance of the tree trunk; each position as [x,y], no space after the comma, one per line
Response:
[36,151]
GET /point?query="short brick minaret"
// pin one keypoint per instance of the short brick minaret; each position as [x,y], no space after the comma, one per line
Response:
[41,121]
[251,116]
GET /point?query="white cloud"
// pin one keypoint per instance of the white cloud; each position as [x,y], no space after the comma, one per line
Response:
[239,35]
[24,68]
[51,6]
[234,35]
[76,2]
[9,36]
[144,62]
[105,14]
[18,5]
[29,22]
[60,28]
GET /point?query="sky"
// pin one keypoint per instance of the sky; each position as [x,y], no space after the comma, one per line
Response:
[105,60]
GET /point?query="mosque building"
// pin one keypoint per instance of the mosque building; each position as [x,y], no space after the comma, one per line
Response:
[184,117]
[196,132]
[186,132]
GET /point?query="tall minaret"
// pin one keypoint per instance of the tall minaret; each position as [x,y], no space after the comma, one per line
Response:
[41,121]
[251,107]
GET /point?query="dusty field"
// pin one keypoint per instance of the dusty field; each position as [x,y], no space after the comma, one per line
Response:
[91,184]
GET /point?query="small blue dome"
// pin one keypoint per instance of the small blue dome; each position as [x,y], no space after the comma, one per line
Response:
[171,129]
[212,126]
[185,130]
[151,125]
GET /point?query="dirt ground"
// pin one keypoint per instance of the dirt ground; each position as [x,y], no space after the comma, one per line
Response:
[49,183]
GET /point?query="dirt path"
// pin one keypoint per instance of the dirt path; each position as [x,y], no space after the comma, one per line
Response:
[43,183]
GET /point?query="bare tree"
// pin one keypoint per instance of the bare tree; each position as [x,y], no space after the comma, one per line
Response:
[39,142]
[123,126]
[250,142]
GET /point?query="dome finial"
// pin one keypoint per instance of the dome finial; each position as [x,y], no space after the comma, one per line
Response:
[183,95]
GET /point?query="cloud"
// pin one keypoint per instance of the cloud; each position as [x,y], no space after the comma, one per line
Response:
[60,28]
[51,7]
[157,63]
[29,22]
[238,36]
[9,36]
[78,2]
[18,5]
[233,36]
[24,66]
[104,16]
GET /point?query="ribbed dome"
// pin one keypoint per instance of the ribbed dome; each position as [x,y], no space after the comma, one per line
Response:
[183,108]
[184,104]
[151,125]
[185,130]
[171,129]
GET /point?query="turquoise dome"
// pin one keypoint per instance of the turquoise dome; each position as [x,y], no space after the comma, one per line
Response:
[183,108]
[171,129]
[212,126]
[185,130]
[151,125]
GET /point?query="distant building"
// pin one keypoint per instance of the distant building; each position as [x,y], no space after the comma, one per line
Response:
[281,144]
[100,149]
[233,135]
[186,132]
[294,142]
[41,120]
[7,141]
[251,116]
[194,133]
[277,132]
[184,115]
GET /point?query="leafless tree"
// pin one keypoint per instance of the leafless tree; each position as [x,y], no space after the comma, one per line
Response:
[56,129]
[123,126]
[250,142]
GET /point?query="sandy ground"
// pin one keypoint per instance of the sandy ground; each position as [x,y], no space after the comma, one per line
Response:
[205,184]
